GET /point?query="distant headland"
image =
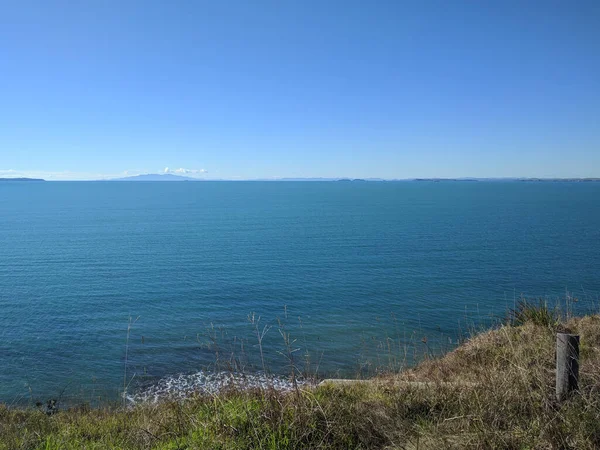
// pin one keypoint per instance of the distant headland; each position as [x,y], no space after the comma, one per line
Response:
[21,179]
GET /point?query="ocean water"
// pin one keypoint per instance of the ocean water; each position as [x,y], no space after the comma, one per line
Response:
[339,267]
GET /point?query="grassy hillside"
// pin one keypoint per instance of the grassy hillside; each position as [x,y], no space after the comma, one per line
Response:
[500,395]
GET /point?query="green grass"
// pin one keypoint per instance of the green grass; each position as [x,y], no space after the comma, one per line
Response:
[537,313]
[500,395]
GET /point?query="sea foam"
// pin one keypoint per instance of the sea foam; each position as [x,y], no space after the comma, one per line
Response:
[182,386]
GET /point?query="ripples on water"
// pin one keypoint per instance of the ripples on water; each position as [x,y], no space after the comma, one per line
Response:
[350,269]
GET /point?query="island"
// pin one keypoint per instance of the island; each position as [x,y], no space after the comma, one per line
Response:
[22,179]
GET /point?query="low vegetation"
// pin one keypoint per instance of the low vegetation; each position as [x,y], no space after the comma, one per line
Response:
[494,391]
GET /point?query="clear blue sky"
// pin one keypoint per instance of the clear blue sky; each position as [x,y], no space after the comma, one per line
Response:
[253,89]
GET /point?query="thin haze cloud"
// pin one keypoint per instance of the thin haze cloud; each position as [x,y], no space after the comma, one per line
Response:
[63,175]
[182,171]
[66,175]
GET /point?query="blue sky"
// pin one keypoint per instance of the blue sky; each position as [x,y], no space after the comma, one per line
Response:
[261,89]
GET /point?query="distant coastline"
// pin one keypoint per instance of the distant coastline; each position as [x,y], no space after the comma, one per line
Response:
[22,179]
[571,180]
[178,178]
[437,180]
[170,177]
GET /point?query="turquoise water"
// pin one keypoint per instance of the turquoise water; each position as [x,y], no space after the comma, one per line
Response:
[342,265]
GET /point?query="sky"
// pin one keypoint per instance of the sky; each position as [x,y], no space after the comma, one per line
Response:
[268,89]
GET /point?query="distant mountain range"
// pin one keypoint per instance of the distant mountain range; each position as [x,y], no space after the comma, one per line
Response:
[156,177]
[171,177]
[21,179]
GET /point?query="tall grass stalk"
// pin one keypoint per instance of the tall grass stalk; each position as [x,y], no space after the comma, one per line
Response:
[125,384]
[260,335]
[288,352]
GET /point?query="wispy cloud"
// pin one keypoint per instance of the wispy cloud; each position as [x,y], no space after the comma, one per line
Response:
[67,175]
[182,171]
[64,175]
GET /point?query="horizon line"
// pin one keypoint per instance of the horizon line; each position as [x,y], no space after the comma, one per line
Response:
[284,179]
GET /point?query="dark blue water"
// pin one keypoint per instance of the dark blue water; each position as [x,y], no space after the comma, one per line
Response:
[343,266]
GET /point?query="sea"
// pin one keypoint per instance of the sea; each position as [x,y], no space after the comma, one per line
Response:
[113,290]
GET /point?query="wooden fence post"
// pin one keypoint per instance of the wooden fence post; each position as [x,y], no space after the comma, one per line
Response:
[567,365]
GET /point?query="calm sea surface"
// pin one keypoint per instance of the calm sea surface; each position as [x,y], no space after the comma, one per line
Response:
[343,266]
